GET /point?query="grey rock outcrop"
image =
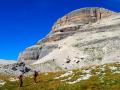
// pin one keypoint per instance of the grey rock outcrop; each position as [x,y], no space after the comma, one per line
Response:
[36,52]
[81,17]
[14,69]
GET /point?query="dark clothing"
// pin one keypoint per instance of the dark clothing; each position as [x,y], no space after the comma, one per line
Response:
[35,76]
[20,80]
[21,83]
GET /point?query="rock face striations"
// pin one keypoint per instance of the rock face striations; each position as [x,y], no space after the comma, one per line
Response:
[81,17]
[84,37]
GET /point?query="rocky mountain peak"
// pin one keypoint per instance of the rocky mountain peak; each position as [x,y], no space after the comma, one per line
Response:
[81,17]
[76,20]
[84,37]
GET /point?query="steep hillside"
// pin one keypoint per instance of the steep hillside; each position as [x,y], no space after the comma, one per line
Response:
[84,37]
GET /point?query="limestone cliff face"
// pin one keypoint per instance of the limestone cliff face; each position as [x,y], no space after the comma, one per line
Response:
[74,21]
[82,17]
[83,37]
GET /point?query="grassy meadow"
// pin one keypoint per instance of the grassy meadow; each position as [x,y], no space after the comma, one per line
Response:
[104,77]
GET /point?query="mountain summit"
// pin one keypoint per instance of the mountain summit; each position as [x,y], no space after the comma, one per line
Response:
[84,37]
[81,17]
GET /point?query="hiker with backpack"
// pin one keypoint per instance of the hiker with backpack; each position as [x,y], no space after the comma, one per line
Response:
[35,76]
[20,77]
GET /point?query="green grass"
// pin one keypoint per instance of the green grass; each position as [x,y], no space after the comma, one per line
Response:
[107,81]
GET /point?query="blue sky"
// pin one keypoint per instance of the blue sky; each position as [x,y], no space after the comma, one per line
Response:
[24,22]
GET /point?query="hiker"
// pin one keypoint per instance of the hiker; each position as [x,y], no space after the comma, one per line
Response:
[20,77]
[35,76]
